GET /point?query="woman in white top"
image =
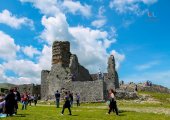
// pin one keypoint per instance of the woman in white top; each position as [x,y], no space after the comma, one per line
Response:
[113,105]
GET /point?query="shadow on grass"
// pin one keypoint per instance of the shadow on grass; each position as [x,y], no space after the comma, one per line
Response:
[74,115]
[21,115]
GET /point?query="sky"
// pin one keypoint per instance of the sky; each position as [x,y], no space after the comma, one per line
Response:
[136,32]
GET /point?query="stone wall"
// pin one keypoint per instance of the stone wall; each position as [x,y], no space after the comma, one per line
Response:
[90,91]
[44,83]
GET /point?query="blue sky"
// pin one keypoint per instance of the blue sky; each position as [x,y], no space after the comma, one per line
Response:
[136,32]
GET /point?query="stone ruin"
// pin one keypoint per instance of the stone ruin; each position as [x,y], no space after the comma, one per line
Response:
[67,74]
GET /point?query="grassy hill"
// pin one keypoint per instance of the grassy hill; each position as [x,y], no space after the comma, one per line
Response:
[6,85]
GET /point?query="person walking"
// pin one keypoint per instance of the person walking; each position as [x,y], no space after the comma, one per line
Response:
[35,100]
[66,104]
[10,103]
[113,104]
[71,98]
[78,99]
[57,97]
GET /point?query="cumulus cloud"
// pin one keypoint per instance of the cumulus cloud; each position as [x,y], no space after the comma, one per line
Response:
[8,47]
[76,7]
[98,23]
[47,7]
[89,44]
[82,39]
[91,47]
[30,51]
[118,58]
[101,19]
[130,6]
[56,28]
[45,58]
[24,68]
[7,18]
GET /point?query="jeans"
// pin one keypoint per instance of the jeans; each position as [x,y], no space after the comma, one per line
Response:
[24,105]
[57,103]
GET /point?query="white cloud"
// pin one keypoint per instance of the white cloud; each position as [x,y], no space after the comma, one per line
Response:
[47,7]
[45,58]
[76,7]
[30,51]
[101,19]
[25,68]
[26,72]
[130,6]
[99,23]
[160,78]
[7,18]
[91,47]
[147,65]
[56,28]
[8,48]
[118,58]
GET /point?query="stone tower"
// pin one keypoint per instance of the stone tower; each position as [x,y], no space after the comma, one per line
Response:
[113,79]
[61,53]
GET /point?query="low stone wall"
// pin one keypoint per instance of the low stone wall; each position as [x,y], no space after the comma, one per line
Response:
[121,94]
[90,91]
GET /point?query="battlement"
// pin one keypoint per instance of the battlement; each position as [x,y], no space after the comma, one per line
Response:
[61,53]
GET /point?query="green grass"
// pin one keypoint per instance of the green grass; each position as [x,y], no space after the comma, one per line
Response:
[129,110]
[84,112]
[162,97]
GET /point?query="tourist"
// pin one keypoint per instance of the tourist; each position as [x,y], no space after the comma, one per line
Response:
[113,105]
[57,96]
[17,99]
[24,100]
[2,103]
[71,98]
[30,99]
[66,104]
[78,99]
[35,99]
[10,103]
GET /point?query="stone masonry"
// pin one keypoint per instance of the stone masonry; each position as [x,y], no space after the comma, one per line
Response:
[67,74]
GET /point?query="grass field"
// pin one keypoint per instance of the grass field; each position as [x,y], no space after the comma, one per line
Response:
[129,110]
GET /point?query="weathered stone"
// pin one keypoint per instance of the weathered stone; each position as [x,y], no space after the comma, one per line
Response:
[67,74]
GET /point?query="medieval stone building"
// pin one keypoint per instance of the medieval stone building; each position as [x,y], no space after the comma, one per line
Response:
[67,74]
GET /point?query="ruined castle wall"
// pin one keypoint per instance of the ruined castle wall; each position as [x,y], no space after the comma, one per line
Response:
[44,83]
[90,91]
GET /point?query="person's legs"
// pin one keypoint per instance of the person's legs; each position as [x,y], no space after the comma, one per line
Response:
[77,103]
[63,110]
[110,109]
[57,103]
[23,105]
[69,110]
[116,109]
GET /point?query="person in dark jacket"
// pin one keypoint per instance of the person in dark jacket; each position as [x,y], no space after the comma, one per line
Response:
[10,103]
[66,104]
[57,96]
